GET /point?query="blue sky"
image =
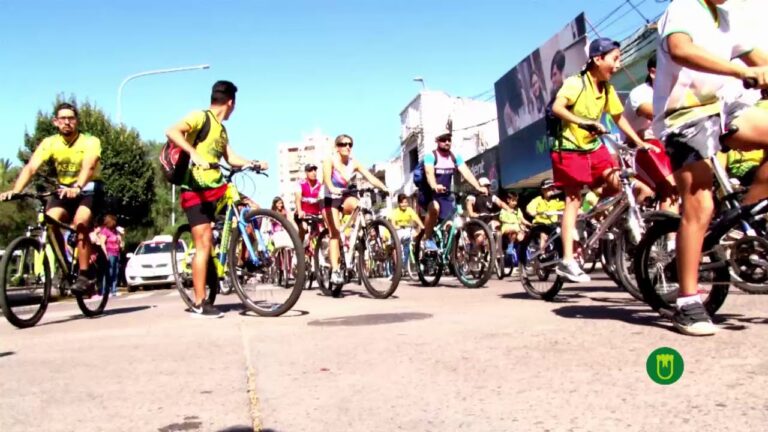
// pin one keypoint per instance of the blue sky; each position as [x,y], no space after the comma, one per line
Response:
[338,66]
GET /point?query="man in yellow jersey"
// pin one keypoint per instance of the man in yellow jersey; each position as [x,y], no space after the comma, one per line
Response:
[204,185]
[76,158]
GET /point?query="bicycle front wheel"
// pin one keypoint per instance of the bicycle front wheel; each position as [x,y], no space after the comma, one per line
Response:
[538,258]
[181,264]
[266,263]
[25,282]
[474,253]
[380,259]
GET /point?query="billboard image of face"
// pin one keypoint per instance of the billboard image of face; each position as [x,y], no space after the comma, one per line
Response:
[523,93]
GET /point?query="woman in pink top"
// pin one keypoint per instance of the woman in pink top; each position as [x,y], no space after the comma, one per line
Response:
[112,242]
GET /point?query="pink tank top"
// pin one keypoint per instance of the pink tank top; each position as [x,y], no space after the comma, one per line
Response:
[310,197]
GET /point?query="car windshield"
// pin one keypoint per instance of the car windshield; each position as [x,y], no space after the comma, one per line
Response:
[158,247]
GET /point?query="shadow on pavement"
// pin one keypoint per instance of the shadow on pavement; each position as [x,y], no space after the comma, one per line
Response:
[629,301]
[614,313]
[243,429]
[370,319]
[730,321]
[561,298]
[293,313]
[108,312]
[7,353]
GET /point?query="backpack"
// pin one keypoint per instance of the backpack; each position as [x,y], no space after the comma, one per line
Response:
[420,177]
[553,123]
[174,161]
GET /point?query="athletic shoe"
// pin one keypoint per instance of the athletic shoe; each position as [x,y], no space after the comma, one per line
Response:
[205,310]
[84,286]
[337,278]
[571,271]
[693,320]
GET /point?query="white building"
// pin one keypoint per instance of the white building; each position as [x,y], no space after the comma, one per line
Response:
[473,123]
[292,157]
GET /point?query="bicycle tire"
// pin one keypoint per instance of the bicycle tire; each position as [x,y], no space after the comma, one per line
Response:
[89,307]
[499,261]
[395,248]
[484,273]
[322,272]
[647,282]
[6,303]
[436,268]
[272,310]
[181,280]
[542,274]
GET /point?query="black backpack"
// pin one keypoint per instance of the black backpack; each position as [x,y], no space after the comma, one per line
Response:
[174,161]
[420,177]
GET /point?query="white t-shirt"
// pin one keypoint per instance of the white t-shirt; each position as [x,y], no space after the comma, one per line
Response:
[681,93]
[642,94]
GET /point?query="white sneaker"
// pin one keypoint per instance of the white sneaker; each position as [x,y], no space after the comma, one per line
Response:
[571,271]
[337,278]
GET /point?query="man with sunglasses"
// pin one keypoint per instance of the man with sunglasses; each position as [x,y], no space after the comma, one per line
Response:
[307,198]
[435,195]
[75,157]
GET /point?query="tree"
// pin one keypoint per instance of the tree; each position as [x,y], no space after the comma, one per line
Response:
[127,171]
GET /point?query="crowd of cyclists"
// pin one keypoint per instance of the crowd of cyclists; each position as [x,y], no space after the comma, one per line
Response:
[701,99]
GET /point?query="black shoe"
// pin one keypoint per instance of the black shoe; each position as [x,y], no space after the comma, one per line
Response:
[206,311]
[84,286]
[693,320]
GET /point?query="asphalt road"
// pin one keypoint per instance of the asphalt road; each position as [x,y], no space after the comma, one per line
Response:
[431,359]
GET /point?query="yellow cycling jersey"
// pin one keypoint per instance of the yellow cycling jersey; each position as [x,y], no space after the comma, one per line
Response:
[540,206]
[68,158]
[514,217]
[211,149]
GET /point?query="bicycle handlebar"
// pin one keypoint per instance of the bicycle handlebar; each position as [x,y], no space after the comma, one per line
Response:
[749,83]
[231,171]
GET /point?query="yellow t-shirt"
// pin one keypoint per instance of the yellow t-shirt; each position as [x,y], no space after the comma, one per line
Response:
[584,100]
[740,162]
[539,206]
[68,158]
[211,149]
[514,217]
[403,219]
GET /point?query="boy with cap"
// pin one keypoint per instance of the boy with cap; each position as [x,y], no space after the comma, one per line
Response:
[579,158]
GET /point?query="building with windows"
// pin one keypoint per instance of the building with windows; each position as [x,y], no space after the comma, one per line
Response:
[292,157]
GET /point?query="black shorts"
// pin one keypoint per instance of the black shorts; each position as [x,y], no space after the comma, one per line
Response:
[337,203]
[92,200]
[203,213]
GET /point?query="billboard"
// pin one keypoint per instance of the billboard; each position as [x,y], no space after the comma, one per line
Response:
[523,93]
[483,165]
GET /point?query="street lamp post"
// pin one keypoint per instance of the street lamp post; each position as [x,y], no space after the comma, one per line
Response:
[120,110]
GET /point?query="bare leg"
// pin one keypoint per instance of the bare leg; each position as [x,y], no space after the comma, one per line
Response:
[202,236]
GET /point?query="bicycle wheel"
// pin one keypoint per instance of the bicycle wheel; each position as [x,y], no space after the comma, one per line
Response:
[322,263]
[380,259]
[623,259]
[499,263]
[181,264]
[538,261]
[264,287]
[429,265]
[474,260]
[25,284]
[656,270]
[94,306]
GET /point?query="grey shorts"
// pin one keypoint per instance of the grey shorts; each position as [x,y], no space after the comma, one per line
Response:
[699,139]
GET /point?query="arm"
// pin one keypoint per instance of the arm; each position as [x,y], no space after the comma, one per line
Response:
[85,176]
[429,171]
[297,200]
[560,109]
[233,159]
[687,54]
[470,204]
[645,111]
[625,127]
[25,175]
[470,178]
[502,204]
[417,219]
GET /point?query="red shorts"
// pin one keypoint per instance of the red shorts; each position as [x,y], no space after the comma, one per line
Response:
[653,169]
[579,169]
[193,198]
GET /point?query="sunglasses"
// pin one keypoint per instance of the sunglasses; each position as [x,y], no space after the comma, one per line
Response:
[344,144]
[444,140]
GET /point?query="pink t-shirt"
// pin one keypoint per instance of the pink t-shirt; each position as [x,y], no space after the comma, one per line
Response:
[111,241]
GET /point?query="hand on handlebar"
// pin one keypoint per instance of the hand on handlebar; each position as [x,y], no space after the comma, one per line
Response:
[259,165]
[7,196]
[69,192]
[440,189]
[755,77]
[642,145]
[198,160]
[593,127]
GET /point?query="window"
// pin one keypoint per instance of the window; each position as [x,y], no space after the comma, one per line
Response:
[413,159]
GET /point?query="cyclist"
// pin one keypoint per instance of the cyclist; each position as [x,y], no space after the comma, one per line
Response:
[338,171]
[485,208]
[404,218]
[204,185]
[307,196]
[579,158]
[742,165]
[653,168]
[76,157]
[698,42]
[434,194]
[513,223]
[544,208]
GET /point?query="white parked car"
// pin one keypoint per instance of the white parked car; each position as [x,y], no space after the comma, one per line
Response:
[151,263]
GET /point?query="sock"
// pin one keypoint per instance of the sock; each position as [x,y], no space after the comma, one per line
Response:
[682,301]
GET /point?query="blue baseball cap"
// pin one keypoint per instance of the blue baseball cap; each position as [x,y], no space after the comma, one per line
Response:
[602,46]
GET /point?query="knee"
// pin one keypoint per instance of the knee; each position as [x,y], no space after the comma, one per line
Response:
[698,210]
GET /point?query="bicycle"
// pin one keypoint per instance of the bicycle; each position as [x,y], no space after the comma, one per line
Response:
[315,224]
[621,212]
[734,250]
[499,260]
[26,270]
[455,240]
[250,251]
[374,254]
[409,260]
